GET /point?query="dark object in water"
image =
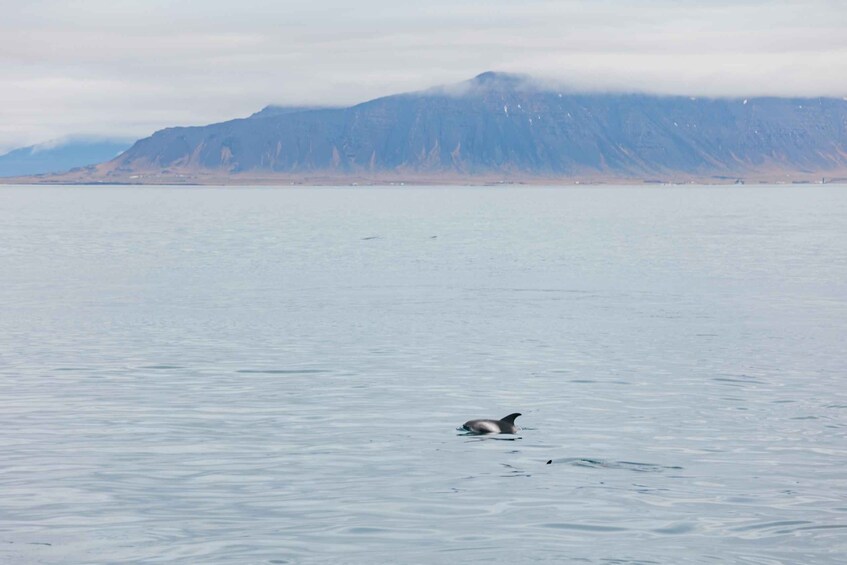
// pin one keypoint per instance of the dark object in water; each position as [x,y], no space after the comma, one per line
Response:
[550,461]
[503,426]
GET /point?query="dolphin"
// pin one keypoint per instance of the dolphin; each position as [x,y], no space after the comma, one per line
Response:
[503,426]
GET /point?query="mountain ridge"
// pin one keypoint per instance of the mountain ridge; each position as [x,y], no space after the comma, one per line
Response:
[502,127]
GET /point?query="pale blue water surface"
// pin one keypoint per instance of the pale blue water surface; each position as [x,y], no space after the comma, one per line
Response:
[260,375]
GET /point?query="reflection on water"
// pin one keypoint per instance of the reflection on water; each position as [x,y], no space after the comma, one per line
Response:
[275,376]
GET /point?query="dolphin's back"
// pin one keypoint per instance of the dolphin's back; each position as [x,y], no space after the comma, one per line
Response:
[504,426]
[483,426]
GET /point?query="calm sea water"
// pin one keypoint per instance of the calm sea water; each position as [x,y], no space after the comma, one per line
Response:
[248,375]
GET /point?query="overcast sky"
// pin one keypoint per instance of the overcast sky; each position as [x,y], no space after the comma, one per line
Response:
[129,67]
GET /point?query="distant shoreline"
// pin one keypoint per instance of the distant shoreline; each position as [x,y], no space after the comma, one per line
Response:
[70,179]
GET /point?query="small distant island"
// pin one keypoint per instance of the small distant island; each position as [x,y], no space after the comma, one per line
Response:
[497,128]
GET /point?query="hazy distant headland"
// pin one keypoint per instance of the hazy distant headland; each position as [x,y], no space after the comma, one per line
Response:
[60,155]
[498,128]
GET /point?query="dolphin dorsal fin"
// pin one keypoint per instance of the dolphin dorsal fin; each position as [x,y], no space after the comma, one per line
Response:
[510,418]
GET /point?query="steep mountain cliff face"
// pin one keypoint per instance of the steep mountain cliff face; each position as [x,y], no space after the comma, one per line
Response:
[505,124]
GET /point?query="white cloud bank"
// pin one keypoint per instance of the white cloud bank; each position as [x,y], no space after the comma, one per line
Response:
[126,68]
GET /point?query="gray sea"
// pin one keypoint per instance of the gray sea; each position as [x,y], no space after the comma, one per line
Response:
[276,375]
